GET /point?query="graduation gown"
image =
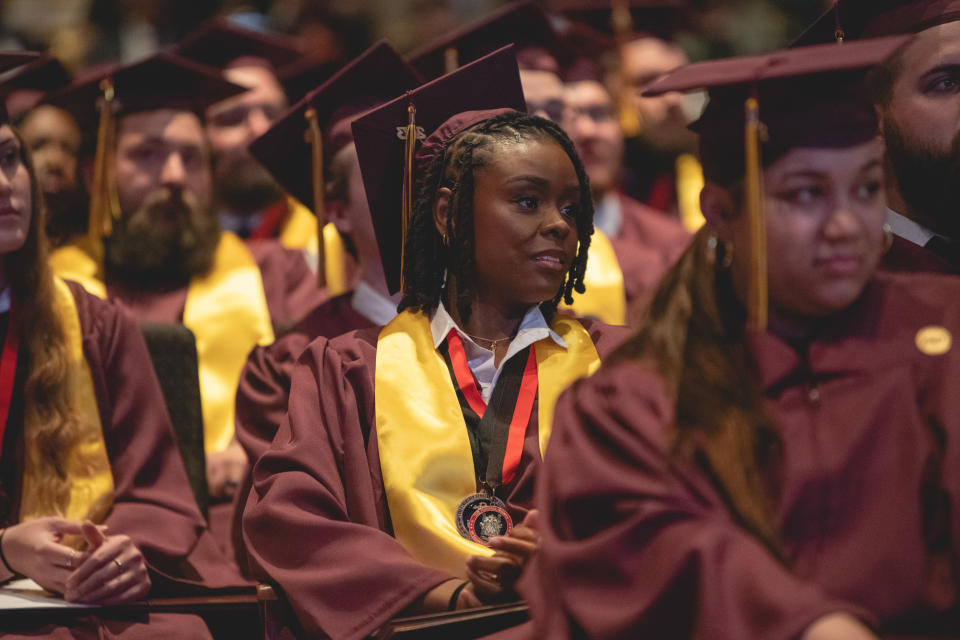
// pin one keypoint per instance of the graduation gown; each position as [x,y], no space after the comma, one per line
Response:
[647,244]
[153,503]
[317,524]
[264,390]
[638,543]
[904,255]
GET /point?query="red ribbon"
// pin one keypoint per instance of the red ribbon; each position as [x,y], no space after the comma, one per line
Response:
[8,372]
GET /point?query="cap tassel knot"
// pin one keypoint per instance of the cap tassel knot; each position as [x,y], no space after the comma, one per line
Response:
[315,139]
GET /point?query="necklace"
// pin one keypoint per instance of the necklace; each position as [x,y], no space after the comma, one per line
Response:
[493,343]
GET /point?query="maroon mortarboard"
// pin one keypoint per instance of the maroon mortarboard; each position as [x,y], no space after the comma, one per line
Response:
[297,146]
[439,111]
[523,24]
[762,106]
[854,19]
[306,74]
[221,44]
[627,19]
[25,85]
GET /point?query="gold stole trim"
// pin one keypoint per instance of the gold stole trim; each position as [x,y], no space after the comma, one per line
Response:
[75,262]
[227,312]
[605,297]
[425,456]
[689,186]
[88,466]
[300,232]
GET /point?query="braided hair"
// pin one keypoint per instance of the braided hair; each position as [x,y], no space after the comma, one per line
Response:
[429,259]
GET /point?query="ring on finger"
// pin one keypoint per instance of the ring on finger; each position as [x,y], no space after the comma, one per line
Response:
[73,558]
[117,562]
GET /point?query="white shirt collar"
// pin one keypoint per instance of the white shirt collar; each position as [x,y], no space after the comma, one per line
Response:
[240,225]
[373,305]
[533,328]
[909,229]
[5,299]
[607,215]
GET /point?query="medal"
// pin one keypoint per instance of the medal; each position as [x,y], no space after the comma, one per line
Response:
[470,505]
[489,522]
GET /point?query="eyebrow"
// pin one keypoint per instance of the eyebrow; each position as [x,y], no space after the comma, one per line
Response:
[537,180]
[946,67]
[815,174]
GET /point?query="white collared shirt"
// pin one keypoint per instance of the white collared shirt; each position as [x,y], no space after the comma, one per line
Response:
[240,225]
[909,229]
[373,305]
[607,215]
[533,328]
[5,299]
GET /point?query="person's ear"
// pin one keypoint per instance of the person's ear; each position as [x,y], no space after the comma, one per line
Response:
[717,206]
[337,214]
[441,210]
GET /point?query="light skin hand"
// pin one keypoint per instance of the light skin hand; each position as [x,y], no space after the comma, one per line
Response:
[226,470]
[111,571]
[33,549]
[493,578]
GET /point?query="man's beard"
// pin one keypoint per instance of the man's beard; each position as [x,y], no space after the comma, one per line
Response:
[928,180]
[165,242]
[243,186]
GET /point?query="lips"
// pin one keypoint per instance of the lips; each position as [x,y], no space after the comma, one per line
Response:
[553,260]
[841,264]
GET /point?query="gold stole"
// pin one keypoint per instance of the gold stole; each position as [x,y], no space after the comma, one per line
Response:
[605,297]
[300,232]
[227,312]
[88,467]
[689,186]
[425,456]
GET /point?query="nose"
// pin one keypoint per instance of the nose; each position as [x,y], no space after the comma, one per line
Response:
[257,122]
[556,224]
[174,173]
[842,222]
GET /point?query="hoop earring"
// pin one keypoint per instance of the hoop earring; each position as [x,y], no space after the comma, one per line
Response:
[887,237]
[711,250]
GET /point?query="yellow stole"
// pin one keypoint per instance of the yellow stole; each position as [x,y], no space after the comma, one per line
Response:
[227,312]
[425,455]
[605,297]
[689,185]
[300,232]
[88,467]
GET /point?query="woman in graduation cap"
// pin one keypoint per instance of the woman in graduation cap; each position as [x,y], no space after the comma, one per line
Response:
[94,500]
[775,454]
[401,479]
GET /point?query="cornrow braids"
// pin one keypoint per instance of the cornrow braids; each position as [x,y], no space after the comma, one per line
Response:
[429,260]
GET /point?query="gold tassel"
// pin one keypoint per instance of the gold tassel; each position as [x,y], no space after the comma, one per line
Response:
[104,202]
[757,291]
[451,60]
[622,23]
[689,185]
[410,148]
[315,139]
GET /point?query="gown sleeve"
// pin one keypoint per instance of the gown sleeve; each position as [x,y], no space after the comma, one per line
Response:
[153,501]
[315,521]
[638,544]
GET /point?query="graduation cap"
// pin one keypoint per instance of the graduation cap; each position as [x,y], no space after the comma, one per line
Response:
[434,114]
[296,147]
[523,24]
[11,60]
[306,74]
[804,97]
[854,19]
[222,44]
[163,81]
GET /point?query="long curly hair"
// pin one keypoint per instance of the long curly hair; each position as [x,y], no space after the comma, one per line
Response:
[51,430]
[428,259]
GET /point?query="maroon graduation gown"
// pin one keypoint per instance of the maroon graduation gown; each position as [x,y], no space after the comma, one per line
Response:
[316,522]
[647,245]
[904,255]
[264,390]
[153,501]
[639,544]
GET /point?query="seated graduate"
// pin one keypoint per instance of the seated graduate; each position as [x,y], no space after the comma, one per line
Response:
[263,394]
[797,482]
[390,487]
[94,499]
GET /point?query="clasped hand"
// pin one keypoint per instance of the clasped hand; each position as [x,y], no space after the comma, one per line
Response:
[493,578]
[111,570]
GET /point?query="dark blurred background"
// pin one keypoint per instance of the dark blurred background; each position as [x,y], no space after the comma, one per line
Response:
[87,32]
